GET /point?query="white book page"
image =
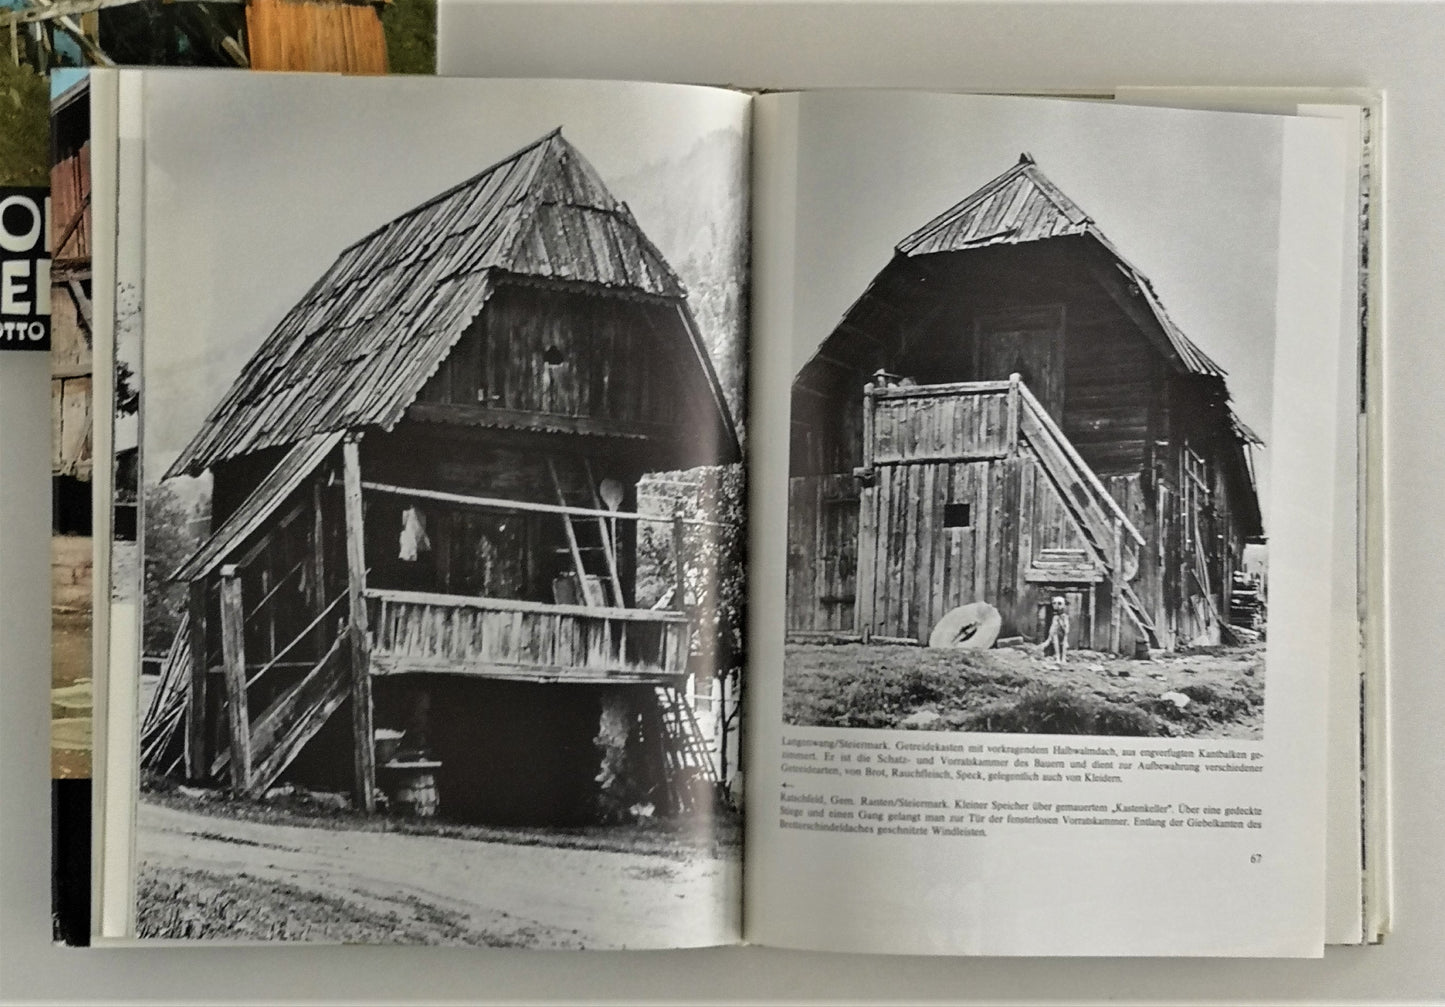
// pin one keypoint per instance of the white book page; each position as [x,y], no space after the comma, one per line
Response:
[1163,865]
[1350,888]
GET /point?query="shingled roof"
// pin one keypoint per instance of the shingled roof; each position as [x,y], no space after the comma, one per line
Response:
[357,349]
[1023,205]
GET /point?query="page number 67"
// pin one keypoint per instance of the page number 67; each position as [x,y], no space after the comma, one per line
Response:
[1255,858]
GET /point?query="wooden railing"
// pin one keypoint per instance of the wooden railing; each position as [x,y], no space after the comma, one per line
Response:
[965,421]
[414,632]
[1095,507]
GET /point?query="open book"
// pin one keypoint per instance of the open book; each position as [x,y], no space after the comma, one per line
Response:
[495,440]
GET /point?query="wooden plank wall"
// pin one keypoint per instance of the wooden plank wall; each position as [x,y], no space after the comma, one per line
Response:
[822,554]
[422,634]
[913,568]
[1107,399]
[942,427]
[607,361]
[69,187]
[324,37]
[70,427]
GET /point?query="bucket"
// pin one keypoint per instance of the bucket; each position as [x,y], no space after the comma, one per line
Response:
[413,789]
[387,741]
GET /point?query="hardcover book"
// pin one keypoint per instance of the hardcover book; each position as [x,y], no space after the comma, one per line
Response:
[505,471]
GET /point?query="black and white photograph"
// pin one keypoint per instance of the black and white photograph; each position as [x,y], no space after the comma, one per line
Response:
[1030,421]
[441,497]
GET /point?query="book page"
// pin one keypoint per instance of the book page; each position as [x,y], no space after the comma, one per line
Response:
[1041,652]
[440,488]
[1357,858]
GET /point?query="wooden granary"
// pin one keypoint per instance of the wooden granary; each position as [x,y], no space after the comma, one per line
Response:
[424,511]
[1008,414]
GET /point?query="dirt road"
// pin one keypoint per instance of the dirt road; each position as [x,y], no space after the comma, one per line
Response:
[210,876]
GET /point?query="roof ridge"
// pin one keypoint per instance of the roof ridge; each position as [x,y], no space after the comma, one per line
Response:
[532,200]
[516,155]
[967,202]
[1062,201]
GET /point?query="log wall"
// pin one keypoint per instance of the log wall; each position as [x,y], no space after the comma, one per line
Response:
[564,354]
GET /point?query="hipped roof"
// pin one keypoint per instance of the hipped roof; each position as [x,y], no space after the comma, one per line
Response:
[357,349]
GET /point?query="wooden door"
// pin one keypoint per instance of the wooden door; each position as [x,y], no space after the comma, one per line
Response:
[1028,342]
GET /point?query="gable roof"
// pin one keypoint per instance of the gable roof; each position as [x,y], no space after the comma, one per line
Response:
[1023,205]
[1019,205]
[362,342]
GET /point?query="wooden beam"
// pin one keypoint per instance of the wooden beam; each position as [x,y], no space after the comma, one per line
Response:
[1013,413]
[362,734]
[519,419]
[318,562]
[69,8]
[386,665]
[527,506]
[72,225]
[679,600]
[86,43]
[197,759]
[939,391]
[870,404]
[1116,586]
[233,659]
[517,605]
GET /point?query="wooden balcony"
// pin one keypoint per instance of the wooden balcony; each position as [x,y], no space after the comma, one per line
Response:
[412,633]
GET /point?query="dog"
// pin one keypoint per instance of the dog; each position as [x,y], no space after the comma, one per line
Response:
[1058,635]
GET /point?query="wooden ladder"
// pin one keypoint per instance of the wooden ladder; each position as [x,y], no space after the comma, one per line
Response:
[689,756]
[579,541]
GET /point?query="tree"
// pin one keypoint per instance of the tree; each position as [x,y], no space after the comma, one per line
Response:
[169,541]
[713,558]
[24,125]
[715,571]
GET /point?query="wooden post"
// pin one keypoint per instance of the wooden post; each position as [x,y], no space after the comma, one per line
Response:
[362,735]
[233,656]
[318,567]
[198,759]
[869,403]
[679,600]
[1013,413]
[1116,584]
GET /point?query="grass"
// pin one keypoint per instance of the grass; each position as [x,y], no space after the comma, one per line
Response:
[1011,690]
[1054,709]
[191,904]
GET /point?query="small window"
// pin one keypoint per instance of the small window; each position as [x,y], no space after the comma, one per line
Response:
[552,356]
[957,515]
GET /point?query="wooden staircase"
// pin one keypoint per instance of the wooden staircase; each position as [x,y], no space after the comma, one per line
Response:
[283,729]
[1114,542]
